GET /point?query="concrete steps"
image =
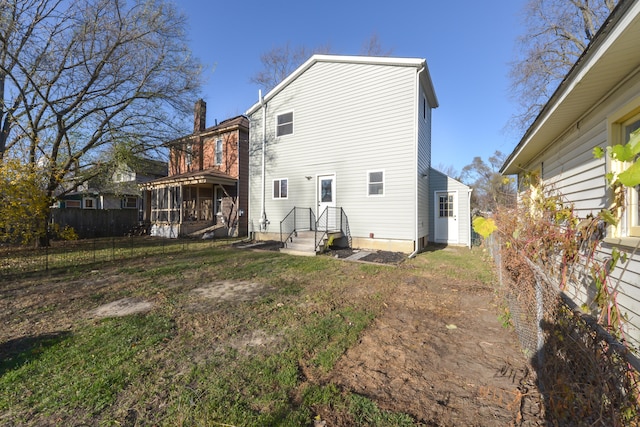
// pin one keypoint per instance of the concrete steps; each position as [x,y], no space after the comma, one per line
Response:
[303,243]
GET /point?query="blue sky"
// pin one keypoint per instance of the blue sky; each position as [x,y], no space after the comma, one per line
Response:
[468,46]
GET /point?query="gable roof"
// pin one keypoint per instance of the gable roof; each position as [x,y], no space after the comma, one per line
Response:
[612,57]
[416,63]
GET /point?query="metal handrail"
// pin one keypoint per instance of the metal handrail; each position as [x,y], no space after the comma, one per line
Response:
[323,217]
[289,225]
[322,225]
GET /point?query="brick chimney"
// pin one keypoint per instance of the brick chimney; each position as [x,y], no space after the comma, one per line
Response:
[200,116]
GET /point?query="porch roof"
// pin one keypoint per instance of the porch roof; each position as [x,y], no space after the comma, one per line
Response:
[209,176]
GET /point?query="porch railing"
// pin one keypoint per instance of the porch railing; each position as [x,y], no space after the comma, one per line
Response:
[332,219]
[296,220]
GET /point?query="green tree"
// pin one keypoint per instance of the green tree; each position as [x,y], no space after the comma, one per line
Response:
[557,32]
[490,188]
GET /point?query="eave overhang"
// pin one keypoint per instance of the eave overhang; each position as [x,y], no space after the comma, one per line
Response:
[611,58]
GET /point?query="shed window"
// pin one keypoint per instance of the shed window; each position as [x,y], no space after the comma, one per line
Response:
[284,125]
[280,188]
[375,183]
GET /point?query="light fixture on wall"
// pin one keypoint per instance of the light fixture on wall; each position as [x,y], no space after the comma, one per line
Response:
[308,178]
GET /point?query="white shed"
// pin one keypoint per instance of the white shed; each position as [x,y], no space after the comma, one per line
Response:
[450,221]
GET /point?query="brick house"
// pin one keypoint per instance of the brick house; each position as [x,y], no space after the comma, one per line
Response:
[206,190]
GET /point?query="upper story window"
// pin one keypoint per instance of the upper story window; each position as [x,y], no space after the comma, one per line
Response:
[280,188]
[284,124]
[375,183]
[189,154]
[219,152]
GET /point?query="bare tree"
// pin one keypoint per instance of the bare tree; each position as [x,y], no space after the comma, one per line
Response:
[80,78]
[373,47]
[557,32]
[281,61]
[490,189]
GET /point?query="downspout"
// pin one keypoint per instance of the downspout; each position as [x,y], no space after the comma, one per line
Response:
[470,224]
[415,155]
[263,218]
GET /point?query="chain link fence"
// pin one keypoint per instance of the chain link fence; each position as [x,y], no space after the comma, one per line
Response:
[18,261]
[586,377]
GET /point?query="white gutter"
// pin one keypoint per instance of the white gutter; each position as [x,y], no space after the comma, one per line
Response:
[415,156]
[263,218]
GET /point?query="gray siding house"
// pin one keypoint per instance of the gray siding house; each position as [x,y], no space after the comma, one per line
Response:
[596,105]
[450,221]
[350,137]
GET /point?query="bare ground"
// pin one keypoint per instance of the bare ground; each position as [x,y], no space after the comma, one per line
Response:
[440,354]
[438,351]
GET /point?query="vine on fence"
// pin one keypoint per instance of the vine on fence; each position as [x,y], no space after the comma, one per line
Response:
[545,229]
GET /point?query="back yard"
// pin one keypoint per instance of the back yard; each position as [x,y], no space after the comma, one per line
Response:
[223,336]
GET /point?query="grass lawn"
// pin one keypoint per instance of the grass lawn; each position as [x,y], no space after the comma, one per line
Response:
[234,337]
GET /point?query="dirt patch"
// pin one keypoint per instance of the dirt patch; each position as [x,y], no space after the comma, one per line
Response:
[122,307]
[231,290]
[440,354]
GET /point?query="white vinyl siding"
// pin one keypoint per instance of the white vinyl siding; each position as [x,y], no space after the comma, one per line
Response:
[571,169]
[346,115]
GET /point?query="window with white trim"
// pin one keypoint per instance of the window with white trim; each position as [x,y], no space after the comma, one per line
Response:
[633,207]
[89,203]
[284,124]
[280,188]
[219,152]
[375,183]
[130,202]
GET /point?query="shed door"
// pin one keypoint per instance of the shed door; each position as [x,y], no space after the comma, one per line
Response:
[446,217]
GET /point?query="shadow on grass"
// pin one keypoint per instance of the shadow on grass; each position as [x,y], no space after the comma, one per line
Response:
[16,352]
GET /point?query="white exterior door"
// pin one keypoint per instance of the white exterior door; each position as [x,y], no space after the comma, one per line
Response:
[327,197]
[446,217]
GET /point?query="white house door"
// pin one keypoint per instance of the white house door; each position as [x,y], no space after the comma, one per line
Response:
[446,217]
[327,197]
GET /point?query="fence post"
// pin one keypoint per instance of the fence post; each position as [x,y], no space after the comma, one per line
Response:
[539,319]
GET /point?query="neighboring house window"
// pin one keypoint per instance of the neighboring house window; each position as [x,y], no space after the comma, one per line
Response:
[284,125]
[130,202]
[219,152]
[189,154]
[89,203]
[165,204]
[375,183]
[72,204]
[633,207]
[280,190]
